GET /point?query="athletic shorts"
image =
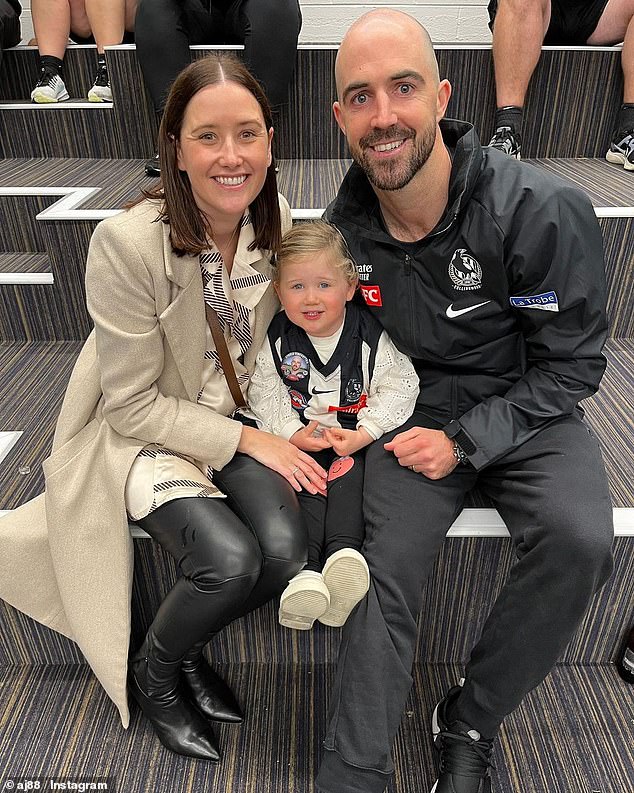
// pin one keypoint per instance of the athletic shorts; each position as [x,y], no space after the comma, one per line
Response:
[571,21]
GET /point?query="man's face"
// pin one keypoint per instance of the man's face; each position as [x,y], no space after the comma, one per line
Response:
[389,105]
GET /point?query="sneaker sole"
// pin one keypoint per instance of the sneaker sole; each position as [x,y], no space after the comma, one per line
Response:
[348,581]
[619,159]
[300,609]
[96,98]
[43,99]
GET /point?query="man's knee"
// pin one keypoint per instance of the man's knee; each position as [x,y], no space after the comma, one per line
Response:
[580,541]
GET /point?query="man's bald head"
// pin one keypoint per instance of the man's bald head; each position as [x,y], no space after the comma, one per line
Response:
[383,31]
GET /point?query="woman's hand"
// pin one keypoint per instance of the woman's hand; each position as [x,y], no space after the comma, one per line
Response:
[306,439]
[297,467]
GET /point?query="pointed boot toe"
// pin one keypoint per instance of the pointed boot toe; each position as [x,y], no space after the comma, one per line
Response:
[211,695]
[177,724]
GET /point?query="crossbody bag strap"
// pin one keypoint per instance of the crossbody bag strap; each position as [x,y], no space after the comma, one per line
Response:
[223,354]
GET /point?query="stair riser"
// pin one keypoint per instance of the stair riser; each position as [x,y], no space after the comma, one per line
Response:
[57,313]
[581,90]
[454,605]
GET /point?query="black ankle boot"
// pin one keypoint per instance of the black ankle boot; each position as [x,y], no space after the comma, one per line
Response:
[209,692]
[154,684]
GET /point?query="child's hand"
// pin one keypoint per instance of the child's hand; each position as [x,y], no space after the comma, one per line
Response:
[347,441]
[307,441]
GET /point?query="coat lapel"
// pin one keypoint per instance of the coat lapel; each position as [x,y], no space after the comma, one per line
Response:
[183,320]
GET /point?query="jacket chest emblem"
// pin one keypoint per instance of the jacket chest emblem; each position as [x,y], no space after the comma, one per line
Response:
[465,271]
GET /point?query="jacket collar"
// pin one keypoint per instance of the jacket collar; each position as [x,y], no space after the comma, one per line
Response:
[357,204]
[181,269]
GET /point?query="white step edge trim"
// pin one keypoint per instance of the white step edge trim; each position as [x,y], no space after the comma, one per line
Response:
[475,522]
[73,197]
[7,442]
[56,106]
[445,45]
[7,279]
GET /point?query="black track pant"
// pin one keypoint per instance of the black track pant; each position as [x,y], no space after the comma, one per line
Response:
[335,521]
[232,554]
[552,493]
[9,27]
[269,29]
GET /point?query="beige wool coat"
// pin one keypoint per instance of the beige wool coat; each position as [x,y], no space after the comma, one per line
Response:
[66,557]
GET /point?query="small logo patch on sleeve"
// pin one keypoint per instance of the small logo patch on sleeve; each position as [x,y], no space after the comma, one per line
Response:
[547,301]
[371,295]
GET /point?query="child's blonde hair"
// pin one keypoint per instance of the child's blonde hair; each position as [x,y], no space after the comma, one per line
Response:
[317,236]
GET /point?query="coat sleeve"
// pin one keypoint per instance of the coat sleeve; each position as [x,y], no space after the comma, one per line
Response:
[553,247]
[130,348]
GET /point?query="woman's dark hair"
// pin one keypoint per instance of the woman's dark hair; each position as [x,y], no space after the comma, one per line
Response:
[190,230]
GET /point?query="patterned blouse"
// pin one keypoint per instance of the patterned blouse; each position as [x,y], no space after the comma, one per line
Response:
[158,474]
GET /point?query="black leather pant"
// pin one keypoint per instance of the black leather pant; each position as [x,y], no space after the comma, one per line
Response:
[232,554]
[269,29]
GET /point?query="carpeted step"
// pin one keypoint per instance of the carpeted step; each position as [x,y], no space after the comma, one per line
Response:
[573,734]
[54,205]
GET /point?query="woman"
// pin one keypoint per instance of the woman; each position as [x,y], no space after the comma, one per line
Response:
[147,416]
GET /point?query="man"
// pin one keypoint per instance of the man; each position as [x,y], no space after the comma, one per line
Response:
[10,11]
[489,274]
[519,28]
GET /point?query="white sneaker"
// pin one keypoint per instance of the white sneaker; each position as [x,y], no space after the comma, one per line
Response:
[304,600]
[347,577]
[49,89]
[101,91]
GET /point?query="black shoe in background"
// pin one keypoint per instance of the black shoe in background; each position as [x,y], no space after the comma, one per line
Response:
[153,166]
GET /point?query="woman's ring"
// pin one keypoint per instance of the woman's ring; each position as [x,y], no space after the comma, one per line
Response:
[295,470]
[413,468]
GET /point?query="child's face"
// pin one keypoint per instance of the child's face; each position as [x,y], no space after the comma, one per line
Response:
[314,292]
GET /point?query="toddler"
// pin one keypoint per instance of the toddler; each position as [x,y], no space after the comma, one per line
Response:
[329,380]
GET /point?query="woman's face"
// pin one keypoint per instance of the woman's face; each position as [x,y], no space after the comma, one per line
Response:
[225,149]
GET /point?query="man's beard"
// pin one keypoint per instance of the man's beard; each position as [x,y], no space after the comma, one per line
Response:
[390,174]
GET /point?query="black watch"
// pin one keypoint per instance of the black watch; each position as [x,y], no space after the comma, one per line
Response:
[463,445]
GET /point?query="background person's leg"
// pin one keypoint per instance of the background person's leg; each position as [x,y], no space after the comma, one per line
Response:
[615,26]
[269,29]
[518,33]
[51,23]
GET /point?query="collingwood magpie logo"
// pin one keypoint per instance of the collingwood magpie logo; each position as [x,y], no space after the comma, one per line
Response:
[464,271]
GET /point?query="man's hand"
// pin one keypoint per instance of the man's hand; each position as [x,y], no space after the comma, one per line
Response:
[305,439]
[429,451]
[346,442]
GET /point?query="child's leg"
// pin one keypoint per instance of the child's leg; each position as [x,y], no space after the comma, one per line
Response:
[345,573]
[344,526]
[306,597]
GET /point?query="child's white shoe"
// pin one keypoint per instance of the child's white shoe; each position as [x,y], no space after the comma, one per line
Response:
[304,600]
[347,577]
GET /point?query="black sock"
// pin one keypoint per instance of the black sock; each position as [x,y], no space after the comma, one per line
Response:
[510,116]
[625,119]
[51,63]
[101,60]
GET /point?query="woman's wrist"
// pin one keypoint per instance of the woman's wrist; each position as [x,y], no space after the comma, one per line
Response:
[247,438]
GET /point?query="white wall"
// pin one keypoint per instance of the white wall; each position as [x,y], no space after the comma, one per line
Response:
[325,21]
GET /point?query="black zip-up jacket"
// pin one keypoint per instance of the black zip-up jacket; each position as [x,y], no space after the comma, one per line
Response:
[501,307]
